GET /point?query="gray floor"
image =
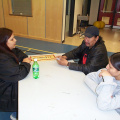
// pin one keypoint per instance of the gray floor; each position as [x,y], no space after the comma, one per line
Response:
[5,115]
[31,46]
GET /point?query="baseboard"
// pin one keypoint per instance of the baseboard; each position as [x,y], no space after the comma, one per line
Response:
[38,38]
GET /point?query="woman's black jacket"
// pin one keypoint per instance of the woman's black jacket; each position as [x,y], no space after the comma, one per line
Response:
[10,73]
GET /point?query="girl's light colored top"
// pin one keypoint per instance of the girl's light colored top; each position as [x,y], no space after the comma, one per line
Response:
[107,90]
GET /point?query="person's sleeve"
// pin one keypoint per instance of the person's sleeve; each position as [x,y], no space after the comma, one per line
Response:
[20,55]
[105,90]
[92,80]
[97,61]
[13,72]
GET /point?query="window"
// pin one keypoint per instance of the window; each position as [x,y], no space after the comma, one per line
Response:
[21,7]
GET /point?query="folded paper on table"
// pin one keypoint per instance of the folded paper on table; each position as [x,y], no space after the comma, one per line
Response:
[43,57]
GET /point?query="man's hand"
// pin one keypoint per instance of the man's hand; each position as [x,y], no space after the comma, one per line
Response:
[62,61]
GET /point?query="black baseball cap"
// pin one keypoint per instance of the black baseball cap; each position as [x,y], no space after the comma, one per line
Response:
[91,31]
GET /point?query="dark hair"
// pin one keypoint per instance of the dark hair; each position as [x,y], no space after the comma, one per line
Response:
[5,34]
[115,60]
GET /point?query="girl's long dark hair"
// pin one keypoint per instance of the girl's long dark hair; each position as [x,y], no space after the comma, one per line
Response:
[115,60]
[5,34]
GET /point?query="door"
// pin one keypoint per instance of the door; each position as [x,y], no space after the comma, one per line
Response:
[117,15]
[109,12]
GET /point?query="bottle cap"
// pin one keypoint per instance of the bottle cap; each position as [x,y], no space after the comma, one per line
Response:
[35,59]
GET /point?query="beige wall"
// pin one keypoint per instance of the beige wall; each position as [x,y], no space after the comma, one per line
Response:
[54,11]
[17,23]
[1,14]
[36,24]
[45,23]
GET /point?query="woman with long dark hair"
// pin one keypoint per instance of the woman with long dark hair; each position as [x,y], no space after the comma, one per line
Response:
[14,66]
[106,84]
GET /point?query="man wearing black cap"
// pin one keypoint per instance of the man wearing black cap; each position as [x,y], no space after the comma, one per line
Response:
[92,53]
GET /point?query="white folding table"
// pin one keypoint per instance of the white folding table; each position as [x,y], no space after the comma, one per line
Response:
[59,94]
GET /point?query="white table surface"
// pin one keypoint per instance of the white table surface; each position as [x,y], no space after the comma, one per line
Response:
[59,94]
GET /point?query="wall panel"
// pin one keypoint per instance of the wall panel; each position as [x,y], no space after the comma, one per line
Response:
[54,9]
[36,23]
[17,23]
[45,23]
[1,15]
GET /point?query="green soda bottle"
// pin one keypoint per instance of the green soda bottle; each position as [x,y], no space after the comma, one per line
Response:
[35,68]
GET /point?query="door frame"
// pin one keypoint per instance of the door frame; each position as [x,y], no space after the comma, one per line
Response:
[102,13]
[72,8]
[112,15]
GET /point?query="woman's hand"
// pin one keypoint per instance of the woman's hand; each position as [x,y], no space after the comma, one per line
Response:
[104,73]
[28,60]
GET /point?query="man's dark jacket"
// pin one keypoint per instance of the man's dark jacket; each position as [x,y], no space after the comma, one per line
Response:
[96,57]
[10,73]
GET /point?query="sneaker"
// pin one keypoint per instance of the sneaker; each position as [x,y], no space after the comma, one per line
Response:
[13,116]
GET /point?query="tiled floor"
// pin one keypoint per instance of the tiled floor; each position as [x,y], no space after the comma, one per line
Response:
[110,36]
